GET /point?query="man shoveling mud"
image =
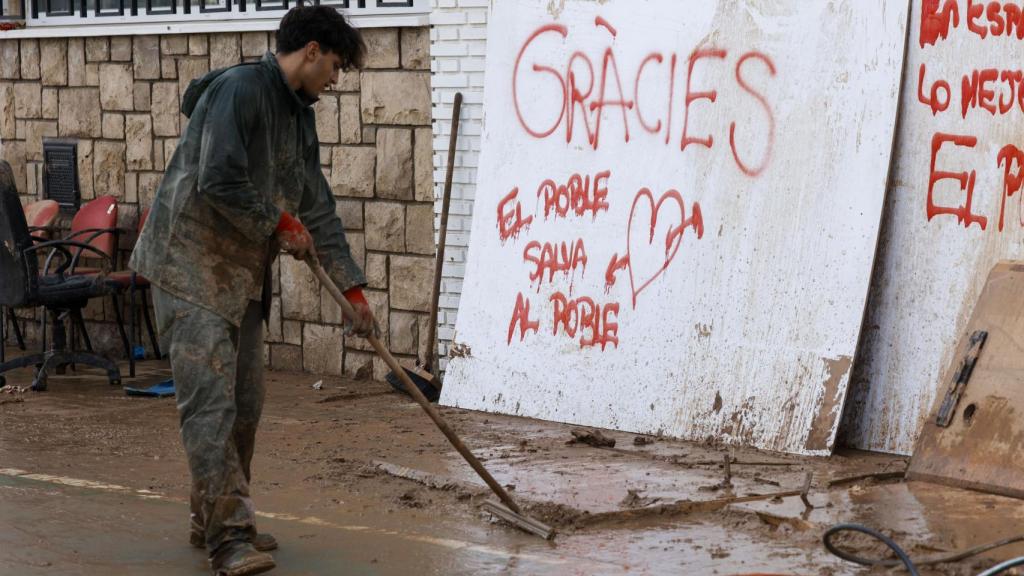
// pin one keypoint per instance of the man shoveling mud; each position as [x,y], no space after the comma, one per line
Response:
[244,182]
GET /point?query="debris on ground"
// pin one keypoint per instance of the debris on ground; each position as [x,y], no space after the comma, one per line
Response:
[591,438]
[643,440]
[12,389]
[410,500]
[635,500]
[318,385]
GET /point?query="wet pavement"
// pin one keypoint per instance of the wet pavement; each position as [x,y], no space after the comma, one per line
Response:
[94,482]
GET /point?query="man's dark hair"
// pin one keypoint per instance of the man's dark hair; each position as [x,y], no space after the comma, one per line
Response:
[328,27]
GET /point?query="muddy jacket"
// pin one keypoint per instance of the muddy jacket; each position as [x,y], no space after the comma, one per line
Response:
[249,152]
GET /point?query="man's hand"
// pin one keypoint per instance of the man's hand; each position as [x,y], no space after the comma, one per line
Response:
[293,237]
[364,323]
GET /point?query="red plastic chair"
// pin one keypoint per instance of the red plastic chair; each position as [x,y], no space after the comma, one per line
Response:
[95,224]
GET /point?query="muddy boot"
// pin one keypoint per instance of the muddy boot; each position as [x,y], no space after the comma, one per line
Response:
[240,559]
[263,542]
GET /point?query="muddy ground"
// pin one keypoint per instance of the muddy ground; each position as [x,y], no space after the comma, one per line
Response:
[353,478]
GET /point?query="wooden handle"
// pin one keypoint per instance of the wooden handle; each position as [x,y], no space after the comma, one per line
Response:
[442,239]
[410,387]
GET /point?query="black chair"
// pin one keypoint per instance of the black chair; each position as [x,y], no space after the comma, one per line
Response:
[62,293]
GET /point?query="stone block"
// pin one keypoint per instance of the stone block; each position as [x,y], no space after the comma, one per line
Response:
[352,171]
[10,62]
[143,97]
[131,187]
[35,131]
[410,282]
[158,156]
[394,163]
[377,271]
[8,124]
[357,246]
[149,182]
[330,312]
[190,69]
[385,226]
[286,357]
[97,49]
[165,108]
[113,126]
[369,134]
[85,169]
[168,67]
[19,129]
[300,291]
[170,146]
[76,61]
[109,168]
[404,333]
[79,113]
[30,59]
[138,130]
[117,89]
[224,50]
[146,57]
[424,332]
[291,331]
[396,98]
[322,349]
[28,100]
[53,61]
[358,365]
[326,110]
[174,44]
[198,44]
[274,330]
[416,48]
[419,228]
[348,113]
[121,47]
[92,74]
[51,103]
[14,153]
[348,81]
[382,47]
[423,164]
[351,213]
[254,44]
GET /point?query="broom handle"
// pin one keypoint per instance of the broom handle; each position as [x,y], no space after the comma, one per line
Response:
[435,297]
[350,313]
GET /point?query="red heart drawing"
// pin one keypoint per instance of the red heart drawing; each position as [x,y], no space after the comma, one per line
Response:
[648,260]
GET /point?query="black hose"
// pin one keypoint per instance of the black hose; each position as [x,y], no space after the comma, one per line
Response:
[906,561]
[827,539]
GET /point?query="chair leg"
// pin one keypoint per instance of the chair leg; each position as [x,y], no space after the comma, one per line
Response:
[64,357]
[17,330]
[120,323]
[80,323]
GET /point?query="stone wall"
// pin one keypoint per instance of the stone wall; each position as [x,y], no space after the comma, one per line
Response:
[119,98]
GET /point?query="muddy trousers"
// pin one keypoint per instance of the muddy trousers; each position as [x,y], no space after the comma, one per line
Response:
[218,377]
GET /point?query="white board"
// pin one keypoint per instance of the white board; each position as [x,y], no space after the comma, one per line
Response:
[728,242]
[933,262]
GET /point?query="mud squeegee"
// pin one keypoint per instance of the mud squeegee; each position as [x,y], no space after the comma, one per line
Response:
[507,510]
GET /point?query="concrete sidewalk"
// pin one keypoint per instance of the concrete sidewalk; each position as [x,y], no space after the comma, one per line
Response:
[354,478]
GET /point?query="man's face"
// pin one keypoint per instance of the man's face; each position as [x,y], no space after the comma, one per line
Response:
[321,70]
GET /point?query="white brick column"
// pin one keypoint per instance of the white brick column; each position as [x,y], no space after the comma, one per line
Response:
[457,48]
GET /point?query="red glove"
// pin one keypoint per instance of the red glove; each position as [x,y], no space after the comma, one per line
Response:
[363,324]
[293,237]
